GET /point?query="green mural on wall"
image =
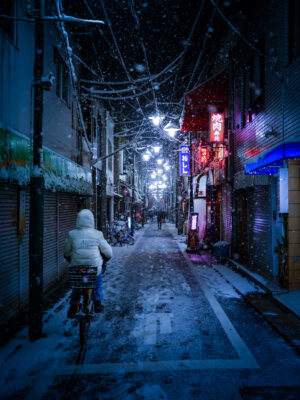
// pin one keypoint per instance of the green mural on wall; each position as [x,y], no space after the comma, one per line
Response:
[59,173]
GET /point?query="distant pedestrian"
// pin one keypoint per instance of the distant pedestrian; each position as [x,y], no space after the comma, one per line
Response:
[159,220]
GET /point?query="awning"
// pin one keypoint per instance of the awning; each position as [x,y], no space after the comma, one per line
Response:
[208,97]
[268,162]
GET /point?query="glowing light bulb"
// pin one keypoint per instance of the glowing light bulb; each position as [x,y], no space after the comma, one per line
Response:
[146,156]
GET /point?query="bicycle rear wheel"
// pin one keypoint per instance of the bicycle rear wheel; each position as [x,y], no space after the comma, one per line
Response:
[82,330]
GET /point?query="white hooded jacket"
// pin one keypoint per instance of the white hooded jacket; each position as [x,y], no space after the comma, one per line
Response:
[85,244]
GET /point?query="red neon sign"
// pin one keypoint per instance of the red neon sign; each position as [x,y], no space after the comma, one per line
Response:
[203,155]
[216,127]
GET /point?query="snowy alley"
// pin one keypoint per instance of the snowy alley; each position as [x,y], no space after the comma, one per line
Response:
[173,327]
[150,149]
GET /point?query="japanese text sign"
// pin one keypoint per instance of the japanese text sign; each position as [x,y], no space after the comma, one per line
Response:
[216,127]
[203,155]
[194,222]
[184,160]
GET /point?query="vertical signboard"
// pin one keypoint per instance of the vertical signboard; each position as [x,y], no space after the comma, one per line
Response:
[184,160]
[216,127]
[203,155]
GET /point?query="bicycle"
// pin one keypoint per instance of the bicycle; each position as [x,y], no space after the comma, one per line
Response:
[83,280]
[127,238]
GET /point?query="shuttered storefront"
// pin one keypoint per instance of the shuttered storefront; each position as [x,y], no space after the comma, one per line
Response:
[50,274]
[67,212]
[60,212]
[226,220]
[260,223]
[242,198]
[9,259]
[24,259]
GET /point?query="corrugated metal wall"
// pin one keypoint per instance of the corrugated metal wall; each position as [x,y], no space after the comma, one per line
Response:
[277,121]
[282,102]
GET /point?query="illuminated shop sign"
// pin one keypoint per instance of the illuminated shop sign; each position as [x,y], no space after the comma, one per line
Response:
[216,127]
[203,155]
[184,160]
[194,222]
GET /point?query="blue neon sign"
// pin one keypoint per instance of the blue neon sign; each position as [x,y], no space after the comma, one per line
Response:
[184,160]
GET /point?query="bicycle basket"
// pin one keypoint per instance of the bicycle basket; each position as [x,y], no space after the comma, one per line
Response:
[82,277]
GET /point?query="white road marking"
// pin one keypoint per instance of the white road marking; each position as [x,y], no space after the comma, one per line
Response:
[151,366]
[150,327]
[232,334]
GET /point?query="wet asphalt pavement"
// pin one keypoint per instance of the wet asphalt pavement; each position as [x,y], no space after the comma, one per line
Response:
[172,328]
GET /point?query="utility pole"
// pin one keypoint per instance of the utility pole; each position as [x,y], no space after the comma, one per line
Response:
[102,215]
[36,234]
[212,211]
[132,204]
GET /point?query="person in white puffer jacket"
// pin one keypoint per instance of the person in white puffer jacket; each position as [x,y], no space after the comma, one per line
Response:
[85,245]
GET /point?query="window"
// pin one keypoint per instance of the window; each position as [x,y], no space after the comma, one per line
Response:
[62,78]
[7,7]
[294,29]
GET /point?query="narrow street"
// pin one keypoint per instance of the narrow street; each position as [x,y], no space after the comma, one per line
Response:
[172,328]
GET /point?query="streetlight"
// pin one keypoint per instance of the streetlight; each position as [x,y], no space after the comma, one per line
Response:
[156,119]
[146,156]
[159,161]
[156,149]
[171,129]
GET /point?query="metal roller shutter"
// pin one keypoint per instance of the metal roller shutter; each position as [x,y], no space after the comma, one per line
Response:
[242,224]
[24,258]
[50,272]
[260,223]
[9,253]
[228,216]
[226,213]
[68,208]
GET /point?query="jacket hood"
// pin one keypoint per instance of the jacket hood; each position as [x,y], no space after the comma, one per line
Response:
[85,219]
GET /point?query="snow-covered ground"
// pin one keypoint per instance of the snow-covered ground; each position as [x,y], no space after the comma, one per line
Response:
[174,327]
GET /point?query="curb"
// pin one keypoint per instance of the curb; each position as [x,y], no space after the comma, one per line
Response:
[287,336]
[242,271]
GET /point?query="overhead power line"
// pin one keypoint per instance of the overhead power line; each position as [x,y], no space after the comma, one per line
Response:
[235,29]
